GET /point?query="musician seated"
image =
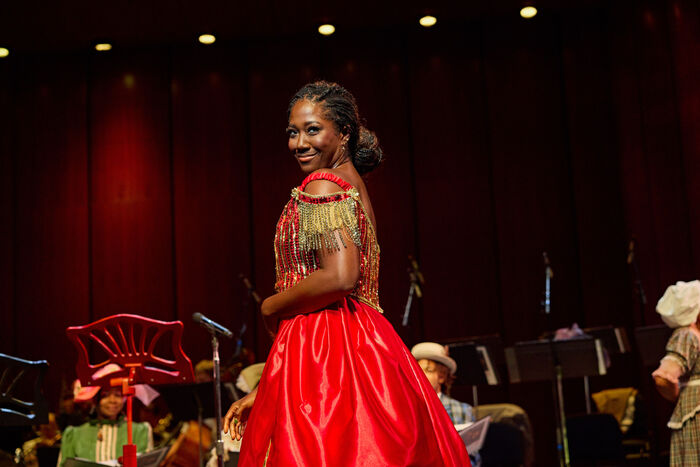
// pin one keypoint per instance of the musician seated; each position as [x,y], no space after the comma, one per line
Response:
[101,439]
[440,369]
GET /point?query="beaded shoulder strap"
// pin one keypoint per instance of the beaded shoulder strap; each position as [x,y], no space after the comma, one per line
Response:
[321,215]
[326,176]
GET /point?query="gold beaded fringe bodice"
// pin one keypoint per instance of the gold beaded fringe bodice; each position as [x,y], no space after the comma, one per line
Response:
[309,222]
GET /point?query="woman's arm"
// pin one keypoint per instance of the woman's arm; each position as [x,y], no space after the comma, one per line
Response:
[666,379]
[336,277]
[666,388]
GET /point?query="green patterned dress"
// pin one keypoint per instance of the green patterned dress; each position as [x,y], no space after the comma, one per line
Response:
[101,441]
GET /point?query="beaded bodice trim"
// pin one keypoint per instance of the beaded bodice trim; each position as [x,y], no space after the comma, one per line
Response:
[309,222]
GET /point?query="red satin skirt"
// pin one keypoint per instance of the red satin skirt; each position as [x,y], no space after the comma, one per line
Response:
[341,389]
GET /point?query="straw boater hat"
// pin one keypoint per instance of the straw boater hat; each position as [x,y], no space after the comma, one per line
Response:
[680,304]
[435,352]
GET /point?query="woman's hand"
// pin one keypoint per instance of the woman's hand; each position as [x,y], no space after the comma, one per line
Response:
[237,415]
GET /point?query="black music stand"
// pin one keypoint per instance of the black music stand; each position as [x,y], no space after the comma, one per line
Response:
[475,365]
[534,360]
[615,342]
[13,410]
[537,361]
[614,339]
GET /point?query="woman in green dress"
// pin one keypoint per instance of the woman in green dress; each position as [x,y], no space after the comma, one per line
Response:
[101,439]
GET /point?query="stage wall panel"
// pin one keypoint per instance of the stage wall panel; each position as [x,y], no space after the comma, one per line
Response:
[684,18]
[454,184]
[131,211]
[212,220]
[7,212]
[52,282]
[531,175]
[600,230]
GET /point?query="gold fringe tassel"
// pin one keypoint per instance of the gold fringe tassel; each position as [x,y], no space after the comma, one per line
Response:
[319,221]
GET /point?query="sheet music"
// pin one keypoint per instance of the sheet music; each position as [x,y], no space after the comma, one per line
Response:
[620,342]
[602,368]
[474,434]
[486,365]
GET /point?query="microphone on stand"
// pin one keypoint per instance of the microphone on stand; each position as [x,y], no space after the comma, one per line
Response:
[548,274]
[416,281]
[547,267]
[212,326]
[251,289]
[416,276]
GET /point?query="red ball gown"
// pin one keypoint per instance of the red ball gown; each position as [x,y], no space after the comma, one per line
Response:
[339,387]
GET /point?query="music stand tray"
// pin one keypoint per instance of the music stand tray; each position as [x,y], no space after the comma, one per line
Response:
[614,339]
[534,360]
[475,363]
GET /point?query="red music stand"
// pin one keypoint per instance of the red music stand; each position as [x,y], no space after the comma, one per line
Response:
[130,341]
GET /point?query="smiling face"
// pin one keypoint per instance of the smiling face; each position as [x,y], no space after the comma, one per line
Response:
[111,403]
[314,141]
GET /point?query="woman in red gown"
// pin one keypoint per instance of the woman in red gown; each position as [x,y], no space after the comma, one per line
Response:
[339,387]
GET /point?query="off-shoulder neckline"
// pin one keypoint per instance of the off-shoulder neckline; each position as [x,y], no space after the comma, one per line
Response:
[331,177]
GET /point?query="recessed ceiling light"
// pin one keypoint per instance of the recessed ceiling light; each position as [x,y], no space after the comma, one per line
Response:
[207,39]
[427,21]
[326,29]
[103,47]
[528,12]
[4,52]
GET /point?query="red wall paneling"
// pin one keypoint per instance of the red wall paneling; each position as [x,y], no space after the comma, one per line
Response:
[458,245]
[684,18]
[131,210]
[212,221]
[605,278]
[7,212]
[52,283]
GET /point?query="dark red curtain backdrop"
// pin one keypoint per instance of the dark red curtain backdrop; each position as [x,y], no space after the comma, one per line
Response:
[146,181]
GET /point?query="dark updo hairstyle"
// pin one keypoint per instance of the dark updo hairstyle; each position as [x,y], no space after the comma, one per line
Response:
[340,107]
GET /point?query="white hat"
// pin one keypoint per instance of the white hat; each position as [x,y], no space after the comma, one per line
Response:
[249,377]
[436,352]
[680,304]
